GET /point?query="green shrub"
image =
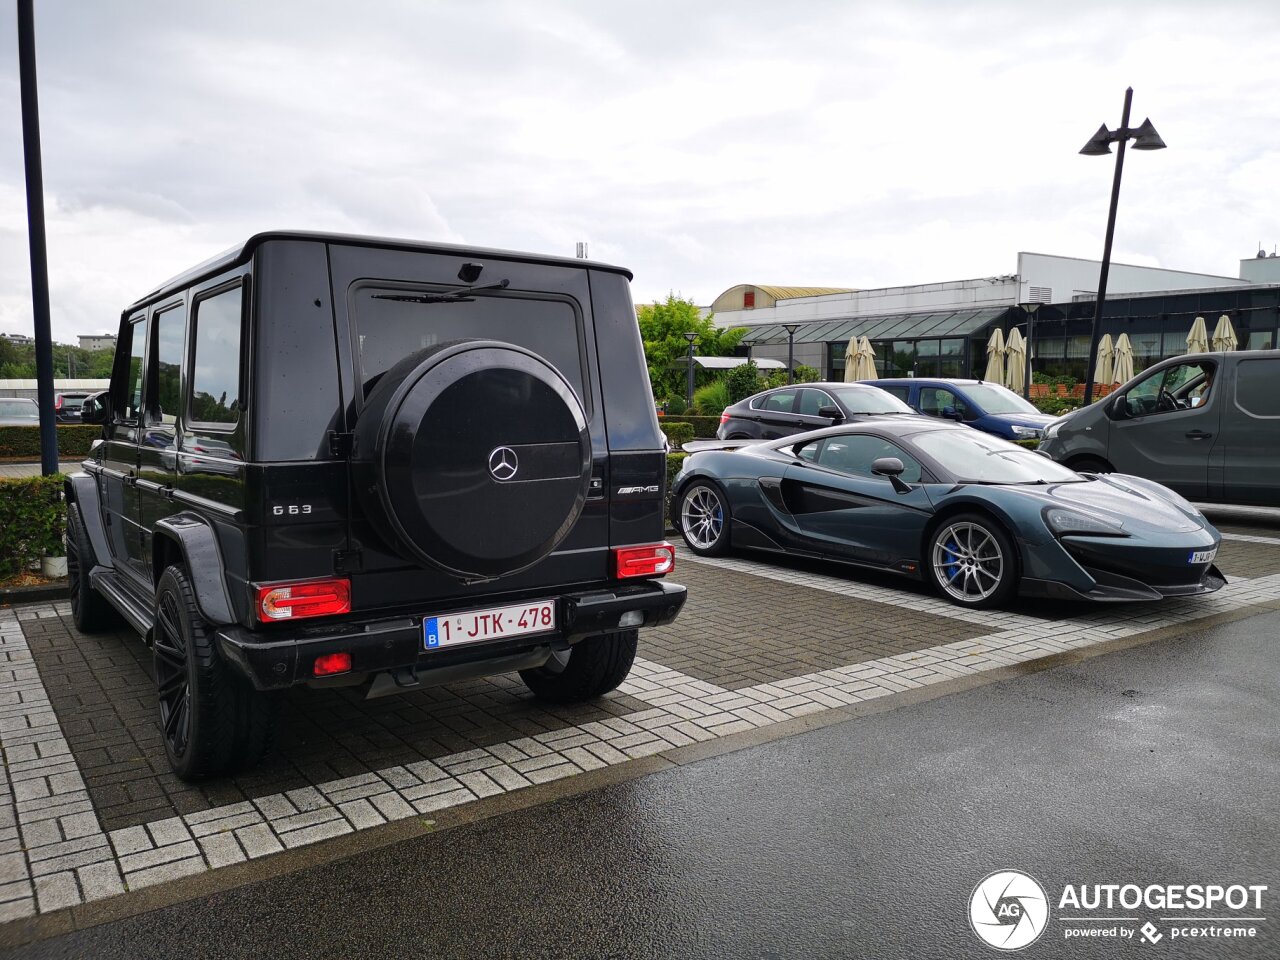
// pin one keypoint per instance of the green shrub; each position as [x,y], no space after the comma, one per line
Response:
[1029,444]
[1055,406]
[675,406]
[32,517]
[674,462]
[74,440]
[743,381]
[776,379]
[704,428]
[678,432]
[807,374]
[711,399]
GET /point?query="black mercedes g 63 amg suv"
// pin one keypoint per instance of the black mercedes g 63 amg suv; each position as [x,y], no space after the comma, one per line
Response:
[343,460]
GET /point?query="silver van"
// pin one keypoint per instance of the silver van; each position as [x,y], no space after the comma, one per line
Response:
[1206,425]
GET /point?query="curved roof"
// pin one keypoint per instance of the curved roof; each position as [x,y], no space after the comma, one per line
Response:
[768,294]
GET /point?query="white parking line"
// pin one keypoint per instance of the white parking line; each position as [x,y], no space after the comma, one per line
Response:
[72,863]
[1250,538]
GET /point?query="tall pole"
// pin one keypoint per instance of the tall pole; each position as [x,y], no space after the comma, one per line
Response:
[791,352]
[1096,333]
[689,391]
[35,231]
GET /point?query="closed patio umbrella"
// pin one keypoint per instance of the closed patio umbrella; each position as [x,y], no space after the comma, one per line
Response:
[1123,371]
[1106,359]
[851,360]
[1224,334]
[1015,353]
[1198,338]
[867,361]
[995,357]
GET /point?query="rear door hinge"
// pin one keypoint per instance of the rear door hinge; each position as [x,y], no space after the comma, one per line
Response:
[348,561]
[340,444]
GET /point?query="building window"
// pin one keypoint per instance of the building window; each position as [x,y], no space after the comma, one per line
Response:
[749,300]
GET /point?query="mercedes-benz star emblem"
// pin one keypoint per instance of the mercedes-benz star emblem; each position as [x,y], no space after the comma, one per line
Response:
[503,463]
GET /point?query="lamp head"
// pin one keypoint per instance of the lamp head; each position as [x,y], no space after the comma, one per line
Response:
[1146,138]
[1099,143]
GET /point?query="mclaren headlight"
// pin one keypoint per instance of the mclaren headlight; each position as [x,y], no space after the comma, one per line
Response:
[1065,522]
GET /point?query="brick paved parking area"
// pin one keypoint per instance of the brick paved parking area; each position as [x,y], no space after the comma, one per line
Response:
[88,808]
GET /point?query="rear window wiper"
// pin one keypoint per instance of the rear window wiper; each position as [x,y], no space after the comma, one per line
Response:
[456,295]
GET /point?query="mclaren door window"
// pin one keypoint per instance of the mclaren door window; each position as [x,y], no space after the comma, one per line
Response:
[1179,387]
[393,323]
[854,455]
[215,368]
[162,410]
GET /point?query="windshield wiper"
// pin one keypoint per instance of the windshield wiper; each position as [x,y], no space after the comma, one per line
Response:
[456,295]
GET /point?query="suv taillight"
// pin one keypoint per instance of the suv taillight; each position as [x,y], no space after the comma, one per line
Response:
[57,403]
[311,598]
[651,560]
[724,417]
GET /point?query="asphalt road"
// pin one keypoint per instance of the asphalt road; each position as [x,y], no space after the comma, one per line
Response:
[864,839]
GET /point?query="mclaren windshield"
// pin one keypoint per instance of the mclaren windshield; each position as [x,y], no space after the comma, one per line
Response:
[973,457]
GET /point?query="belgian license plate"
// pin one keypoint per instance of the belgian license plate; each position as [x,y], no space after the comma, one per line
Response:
[476,626]
[1203,556]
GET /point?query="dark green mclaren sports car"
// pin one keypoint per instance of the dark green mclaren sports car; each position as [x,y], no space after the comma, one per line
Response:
[979,518]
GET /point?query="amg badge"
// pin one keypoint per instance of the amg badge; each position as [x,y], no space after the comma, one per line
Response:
[652,488]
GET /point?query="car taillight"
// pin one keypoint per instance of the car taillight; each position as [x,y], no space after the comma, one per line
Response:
[57,404]
[294,601]
[652,560]
[724,417]
[330,664]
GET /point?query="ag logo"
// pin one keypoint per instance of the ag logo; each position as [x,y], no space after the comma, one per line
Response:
[1008,910]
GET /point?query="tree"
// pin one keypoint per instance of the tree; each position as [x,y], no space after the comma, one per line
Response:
[662,328]
[743,381]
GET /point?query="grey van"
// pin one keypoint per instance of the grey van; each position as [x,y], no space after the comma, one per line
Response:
[1206,424]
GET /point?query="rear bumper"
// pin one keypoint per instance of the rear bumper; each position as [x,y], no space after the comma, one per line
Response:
[276,659]
[1111,587]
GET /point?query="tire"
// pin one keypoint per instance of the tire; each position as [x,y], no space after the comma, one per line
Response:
[702,517]
[589,669]
[1090,465]
[473,457]
[212,720]
[89,609]
[987,581]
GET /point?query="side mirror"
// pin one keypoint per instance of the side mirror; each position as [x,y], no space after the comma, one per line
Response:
[1118,409]
[950,413]
[96,408]
[892,468]
[831,412]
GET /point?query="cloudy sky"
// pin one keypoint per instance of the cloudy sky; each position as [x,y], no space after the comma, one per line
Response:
[701,144]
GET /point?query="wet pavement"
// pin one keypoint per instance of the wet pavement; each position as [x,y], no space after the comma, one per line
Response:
[1154,764]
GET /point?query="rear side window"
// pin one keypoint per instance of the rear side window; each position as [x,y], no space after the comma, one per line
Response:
[393,323]
[215,368]
[900,392]
[780,402]
[1256,392]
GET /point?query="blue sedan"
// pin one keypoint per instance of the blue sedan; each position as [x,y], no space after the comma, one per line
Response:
[985,406]
[979,518]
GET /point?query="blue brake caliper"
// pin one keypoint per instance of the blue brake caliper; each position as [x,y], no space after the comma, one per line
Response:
[952,568]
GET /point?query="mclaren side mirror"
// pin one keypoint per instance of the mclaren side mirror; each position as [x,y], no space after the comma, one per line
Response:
[892,468]
[96,408]
[831,412]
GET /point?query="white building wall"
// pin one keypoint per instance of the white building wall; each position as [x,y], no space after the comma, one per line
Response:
[1068,277]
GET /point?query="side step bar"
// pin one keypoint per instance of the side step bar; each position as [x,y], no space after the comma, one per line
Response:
[124,598]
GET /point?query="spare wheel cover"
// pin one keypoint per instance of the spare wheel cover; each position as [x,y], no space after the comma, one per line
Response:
[483,458]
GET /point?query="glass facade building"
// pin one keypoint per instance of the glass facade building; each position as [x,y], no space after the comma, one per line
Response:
[954,343]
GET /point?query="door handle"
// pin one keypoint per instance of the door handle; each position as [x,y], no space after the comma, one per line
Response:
[1198,435]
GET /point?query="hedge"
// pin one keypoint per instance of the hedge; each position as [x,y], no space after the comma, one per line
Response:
[74,440]
[704,428]
[678,432]
[32,517]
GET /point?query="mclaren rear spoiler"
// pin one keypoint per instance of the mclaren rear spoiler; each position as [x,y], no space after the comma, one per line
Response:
[694,446]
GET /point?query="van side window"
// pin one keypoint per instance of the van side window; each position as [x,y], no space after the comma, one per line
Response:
[1256,392]
[215,363]
[1179,387]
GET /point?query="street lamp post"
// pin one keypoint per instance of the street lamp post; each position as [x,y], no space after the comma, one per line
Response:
[691,337]
[791,350]
[1144,138]
[748,344]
